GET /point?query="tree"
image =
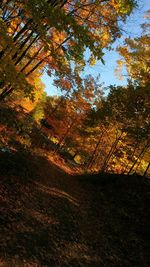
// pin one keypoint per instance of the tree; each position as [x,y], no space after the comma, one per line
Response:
[36,37]
[124,117]
[136,56]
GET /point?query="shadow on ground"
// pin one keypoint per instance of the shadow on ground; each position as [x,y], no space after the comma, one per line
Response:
[50,218]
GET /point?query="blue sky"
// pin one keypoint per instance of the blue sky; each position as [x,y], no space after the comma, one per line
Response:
[107,76]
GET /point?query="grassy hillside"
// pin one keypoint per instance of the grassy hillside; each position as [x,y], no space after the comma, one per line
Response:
[51,218]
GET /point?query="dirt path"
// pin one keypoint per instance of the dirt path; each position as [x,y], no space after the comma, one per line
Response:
[55,219]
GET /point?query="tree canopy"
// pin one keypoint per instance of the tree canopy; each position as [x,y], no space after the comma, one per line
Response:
[35,37]
[99,132]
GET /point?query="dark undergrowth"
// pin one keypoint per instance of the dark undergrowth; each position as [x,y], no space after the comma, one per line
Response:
[50,218]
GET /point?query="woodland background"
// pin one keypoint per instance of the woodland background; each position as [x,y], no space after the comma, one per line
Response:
[95,131]
[74,168]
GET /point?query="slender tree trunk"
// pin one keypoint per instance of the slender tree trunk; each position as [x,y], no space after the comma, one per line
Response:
[3,52]
[26,50]
[43,59]
[64,137]
[3,92]
[132,155]
[138,163]
[22,45]
[6,20]
[54,3]
[30,61]
[140,155]
[16,37]
[90,163]
[15,30]
[23,29]
[6,92]
[57,106]
[76,153]
[26,40]
[4,5]
[146,170]
[36,66]
[112,150]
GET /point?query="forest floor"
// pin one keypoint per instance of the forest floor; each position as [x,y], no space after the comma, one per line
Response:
[52,218]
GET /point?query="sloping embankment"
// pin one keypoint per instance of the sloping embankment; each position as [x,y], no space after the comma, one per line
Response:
[50,218]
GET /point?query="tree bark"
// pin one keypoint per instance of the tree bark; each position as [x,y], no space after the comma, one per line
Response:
[132,155]
[30,61]
[16,37]
[113,148]
[23,29]
[22,45]
[141,153]
[26,50]
[146,170]
[43,59]
[6,92]
[90,163]
[36,66]
[64,137]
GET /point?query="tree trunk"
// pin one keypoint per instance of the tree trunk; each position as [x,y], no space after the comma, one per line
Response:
[146,170]
[16,37]
[23,29]
[35,67]
[6,92]
[2,5]
[43,59]
[26,50]
[90,163]
[30,61]
[22,45]
[76,153]
[132,155]
[64,137]
[57,106]
[141,153]
[113,148]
